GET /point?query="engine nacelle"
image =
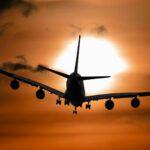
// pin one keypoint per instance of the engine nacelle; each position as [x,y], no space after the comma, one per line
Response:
[109,104]
[40,94]
[14,84]
[135,102]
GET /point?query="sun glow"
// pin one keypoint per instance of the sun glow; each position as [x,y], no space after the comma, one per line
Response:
[97,57]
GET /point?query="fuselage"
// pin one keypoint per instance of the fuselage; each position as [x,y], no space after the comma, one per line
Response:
[75,91]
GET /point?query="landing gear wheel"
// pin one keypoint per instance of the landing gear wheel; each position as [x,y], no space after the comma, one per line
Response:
[66,102]
[88,106]
[58,102]
[75,112]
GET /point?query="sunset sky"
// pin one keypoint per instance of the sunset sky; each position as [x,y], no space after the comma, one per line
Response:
[36,32]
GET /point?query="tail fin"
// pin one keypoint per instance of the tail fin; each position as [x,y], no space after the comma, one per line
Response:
[77,56]
[54,71]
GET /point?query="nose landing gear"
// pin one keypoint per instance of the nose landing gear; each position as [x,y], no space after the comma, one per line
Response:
[88,106]
[75,111]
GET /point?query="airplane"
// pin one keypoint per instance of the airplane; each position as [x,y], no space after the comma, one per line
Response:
[75,91]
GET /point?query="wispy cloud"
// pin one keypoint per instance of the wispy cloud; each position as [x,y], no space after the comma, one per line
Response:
[4,27]
[97,29]
[21,65]
[100,30]
[26,7]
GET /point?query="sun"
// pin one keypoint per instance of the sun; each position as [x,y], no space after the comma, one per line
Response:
[97,57]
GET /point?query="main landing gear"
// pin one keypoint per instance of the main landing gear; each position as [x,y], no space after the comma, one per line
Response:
[66,102]
[58,101]
[88,106]
[75,111]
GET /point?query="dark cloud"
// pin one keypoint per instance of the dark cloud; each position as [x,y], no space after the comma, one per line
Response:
[100,30]
[15,66]
[22,65]
[4,27]
[22,58]
[25,6]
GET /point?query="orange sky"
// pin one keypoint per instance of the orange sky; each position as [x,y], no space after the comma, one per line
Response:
[40,34]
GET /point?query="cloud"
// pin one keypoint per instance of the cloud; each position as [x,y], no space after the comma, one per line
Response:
[100,30]
[4,27]
[25,6]
[22,65]
[22,58]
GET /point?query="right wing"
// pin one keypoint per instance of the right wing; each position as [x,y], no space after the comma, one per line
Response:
[32,83]
[115,96]
[92,77]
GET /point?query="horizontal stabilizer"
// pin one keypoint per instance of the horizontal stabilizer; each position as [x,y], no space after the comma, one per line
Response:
[54,71]
[93,77]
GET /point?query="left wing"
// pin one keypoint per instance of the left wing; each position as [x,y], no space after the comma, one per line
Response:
[115,96]
[32,83]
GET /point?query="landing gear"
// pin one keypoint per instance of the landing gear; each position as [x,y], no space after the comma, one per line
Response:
[75,111]
[88,106]
[58,101]
[66,102]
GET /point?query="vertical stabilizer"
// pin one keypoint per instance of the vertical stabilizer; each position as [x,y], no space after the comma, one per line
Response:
[77,56]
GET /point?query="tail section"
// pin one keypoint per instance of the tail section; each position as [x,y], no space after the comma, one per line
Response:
[76,66]
[75,69]
[54,71]
[77,57]
[63,74]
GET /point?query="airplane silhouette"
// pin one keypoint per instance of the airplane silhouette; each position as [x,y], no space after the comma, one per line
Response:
[75,91]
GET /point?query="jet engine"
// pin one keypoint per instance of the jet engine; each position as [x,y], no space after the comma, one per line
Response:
[40,94]
[14,84]
[109,104]
[135,102]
